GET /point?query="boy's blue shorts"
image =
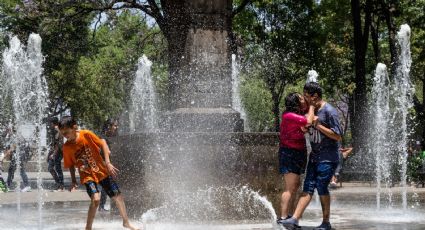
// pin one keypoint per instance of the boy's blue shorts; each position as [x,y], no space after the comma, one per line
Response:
[319,175]
[292,161]
[108,184]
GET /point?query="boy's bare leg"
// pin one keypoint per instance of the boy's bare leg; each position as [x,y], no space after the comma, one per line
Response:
[325,201]
[119,202]
[302,205]
[94,204]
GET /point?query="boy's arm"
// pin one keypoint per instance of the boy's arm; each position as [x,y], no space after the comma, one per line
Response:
[106,152]
[73,179]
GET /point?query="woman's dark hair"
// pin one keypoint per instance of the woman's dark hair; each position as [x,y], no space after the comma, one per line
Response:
[293,103]
[67,122]
[108,123]
[312,88]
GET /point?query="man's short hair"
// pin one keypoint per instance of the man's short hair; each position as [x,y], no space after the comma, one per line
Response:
[312,88]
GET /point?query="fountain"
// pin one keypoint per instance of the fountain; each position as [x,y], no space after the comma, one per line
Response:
[403,92]
[236,98]
[380,146]
[389,134]
[312,76]
[142,112]
[24,85]
[196,169]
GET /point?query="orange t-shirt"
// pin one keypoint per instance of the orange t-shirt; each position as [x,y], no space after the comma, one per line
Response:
[84,154]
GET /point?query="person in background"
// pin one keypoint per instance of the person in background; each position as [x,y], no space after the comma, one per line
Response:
[343,155]
[109,129]
[20,158]
[54,158]
[3,185]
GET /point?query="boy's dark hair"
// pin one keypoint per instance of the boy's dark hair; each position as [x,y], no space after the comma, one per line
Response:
[312,88]
[67,122]
[293,103]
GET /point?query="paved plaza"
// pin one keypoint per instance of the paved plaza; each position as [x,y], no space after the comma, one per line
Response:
[353,207]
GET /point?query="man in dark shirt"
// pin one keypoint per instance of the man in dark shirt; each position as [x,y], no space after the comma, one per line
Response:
[324,137]
[54,158]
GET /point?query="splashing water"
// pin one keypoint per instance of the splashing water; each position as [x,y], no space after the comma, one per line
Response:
[381,107]
[142,112]
[236,98]
[213,204]
[312,76]
[26,87]
[389,133]
[403,91]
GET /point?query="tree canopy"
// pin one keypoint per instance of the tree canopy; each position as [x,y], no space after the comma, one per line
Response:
[91,50]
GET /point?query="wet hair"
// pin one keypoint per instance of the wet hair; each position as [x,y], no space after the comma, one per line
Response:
[293,103]
[67,122]
[108,123]
[312,88]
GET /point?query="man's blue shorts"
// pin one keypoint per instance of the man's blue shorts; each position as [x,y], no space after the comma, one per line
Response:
[108,184]
[319,175]
[292,161]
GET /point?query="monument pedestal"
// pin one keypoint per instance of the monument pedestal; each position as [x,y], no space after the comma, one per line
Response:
[202,120]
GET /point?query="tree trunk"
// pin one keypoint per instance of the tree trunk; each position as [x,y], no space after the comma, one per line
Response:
[374,30]
[359,100]
[387,11]
[276,111]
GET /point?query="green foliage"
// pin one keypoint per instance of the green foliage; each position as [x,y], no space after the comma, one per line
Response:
[89,64]
[104,77]
[334,30]
[414,164]
[257,103]
[274,47]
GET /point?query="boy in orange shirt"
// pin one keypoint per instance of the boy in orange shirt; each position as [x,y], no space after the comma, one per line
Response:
[82,150]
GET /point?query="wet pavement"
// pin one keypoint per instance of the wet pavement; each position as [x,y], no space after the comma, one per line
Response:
[353,207]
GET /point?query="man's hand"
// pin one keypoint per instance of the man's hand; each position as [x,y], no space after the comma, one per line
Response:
[111,169]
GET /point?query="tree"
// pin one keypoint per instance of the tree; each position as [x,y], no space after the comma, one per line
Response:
[64,41]
[89,65]
[105,76]
[274,48]
[358,103]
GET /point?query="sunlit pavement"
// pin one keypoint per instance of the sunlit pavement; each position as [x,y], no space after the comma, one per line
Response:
[353,207]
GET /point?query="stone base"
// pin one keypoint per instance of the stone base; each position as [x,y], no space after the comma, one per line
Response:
[202,120]
[198,175]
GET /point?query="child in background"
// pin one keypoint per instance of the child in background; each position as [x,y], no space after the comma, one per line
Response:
[82,150]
